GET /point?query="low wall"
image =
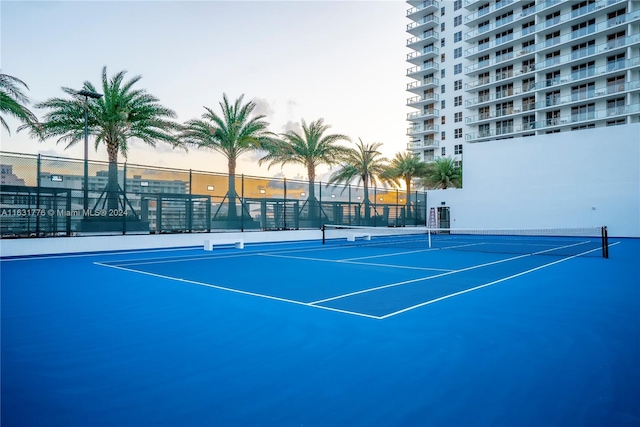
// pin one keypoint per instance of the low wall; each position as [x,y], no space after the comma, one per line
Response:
[68,245]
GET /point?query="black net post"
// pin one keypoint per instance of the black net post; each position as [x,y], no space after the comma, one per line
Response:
[605,243]
[323,231]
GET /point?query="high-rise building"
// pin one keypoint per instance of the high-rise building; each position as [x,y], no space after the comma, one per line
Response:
[486,70]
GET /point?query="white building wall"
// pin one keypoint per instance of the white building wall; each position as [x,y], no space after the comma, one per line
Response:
[572,179]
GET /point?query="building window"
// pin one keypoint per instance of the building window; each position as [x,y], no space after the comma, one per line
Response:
[504,127]
[457,68]
[457,133]
[617,122]
[442,74]
[442,11]
[442,26]
[583,112]
[443,135]
[457,37]
[457,4]
[457,101]
[442,104]
[457,149]
[442,88]
[457,85]
[457,21]
[457,117]
[528,103]
[529,122]
[457,53]
[441,42]
[443,151]
[443,120]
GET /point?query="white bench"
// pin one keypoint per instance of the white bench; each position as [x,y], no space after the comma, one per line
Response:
[351,237]
[209,243]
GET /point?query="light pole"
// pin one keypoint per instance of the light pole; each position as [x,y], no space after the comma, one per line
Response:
[87,94]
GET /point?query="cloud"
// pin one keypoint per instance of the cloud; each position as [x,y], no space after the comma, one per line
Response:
[292,127]
[263,108]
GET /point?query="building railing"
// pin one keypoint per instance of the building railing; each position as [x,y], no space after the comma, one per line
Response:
[561,59]
[587,94]
[578,117]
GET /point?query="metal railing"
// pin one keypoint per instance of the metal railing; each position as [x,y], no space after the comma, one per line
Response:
[44,196]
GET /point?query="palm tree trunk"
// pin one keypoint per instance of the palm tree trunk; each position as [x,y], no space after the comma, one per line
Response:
[367,212]
[312,201]
[113,189]
[232,213]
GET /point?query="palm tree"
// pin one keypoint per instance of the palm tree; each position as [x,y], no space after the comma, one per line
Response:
[13,101]
[406,166]
[233,133]
[365,164]
[310,149]
[443,173]
[122,114]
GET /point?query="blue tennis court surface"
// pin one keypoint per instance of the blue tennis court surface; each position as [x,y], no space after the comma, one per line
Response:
[304,334]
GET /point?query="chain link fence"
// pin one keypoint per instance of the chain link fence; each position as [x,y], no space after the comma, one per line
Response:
[51,196]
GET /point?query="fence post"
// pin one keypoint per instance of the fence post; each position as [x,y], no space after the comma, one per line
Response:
[284,207]
[349,212]
[241,203]
[125,199]
[38,183]
[320,204]
[190,204]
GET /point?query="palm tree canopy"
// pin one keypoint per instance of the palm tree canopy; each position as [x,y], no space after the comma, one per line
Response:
[310,149]
[364,163]
[122,113]
[232,133]
[405,166]
[443,173]
[13,101]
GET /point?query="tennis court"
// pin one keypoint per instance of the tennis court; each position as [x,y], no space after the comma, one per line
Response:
[443,330]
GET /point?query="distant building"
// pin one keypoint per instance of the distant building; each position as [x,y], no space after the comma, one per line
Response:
[8,177]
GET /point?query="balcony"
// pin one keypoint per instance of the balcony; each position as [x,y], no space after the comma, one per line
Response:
[419,144]
[562,60]
[423,115]
[420,86]
[555,122]
[418,27]
[419,56]
[428,37]
[488,12]
[418,101]
[419,130]
[425,7]
[488,30]
[421,70]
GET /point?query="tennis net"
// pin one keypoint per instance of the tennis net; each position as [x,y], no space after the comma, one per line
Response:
[590,241]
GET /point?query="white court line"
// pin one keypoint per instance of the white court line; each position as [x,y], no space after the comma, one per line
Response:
[435,276]
[133,251]
[143,261]
[488,284]
[208,285]
[341,261]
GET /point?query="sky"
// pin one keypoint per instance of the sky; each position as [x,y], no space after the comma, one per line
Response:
[343,61]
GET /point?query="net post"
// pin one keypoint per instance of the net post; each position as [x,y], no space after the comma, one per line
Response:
[605,242]
[429,238]
[323,230]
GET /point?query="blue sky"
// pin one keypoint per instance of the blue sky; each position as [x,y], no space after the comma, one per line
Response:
[343,61]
